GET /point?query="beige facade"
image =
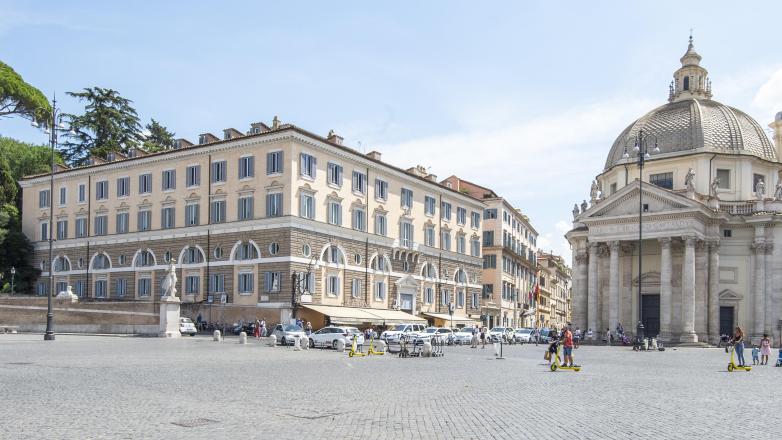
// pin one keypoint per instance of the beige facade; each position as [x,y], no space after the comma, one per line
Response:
[555,290]
[242,216]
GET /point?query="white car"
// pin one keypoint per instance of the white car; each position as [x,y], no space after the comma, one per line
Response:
[286,334]
[501,333]
[328,337]
[395,333]
[523,335]
[440,334]
[463,336]
[186,327]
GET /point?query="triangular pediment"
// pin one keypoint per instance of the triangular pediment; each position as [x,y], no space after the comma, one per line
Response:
[729,295]
[625,202]
[407,281]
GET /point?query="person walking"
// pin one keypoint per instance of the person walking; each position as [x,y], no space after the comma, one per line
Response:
[608,336]
[474,339]
[536,335]
[257,329]
[738,341]
[576,337]
[308,328]
[483,337]
[765,349]
[263,328]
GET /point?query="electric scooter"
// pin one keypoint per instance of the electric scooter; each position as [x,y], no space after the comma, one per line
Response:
[732,365]
[371,350]
[555,362]
[354,351]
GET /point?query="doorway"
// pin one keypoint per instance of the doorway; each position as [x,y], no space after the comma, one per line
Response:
[650,314]
[726,320]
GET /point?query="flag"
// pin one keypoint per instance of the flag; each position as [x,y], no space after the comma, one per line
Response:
[537,293]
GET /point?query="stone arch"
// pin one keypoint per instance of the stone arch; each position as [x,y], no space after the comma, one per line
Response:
[136,255]
[95,255]
[239,243]
[181,257]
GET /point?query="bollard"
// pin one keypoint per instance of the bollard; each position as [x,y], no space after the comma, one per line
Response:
[242,338]
[380,346]
[216,336]
[272,341]
[426,351]
[296,343]
[341,345]
[305,344]
[497,349]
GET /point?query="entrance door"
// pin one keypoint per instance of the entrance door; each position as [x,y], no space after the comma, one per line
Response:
[650,314]
[726,320]
[406,302]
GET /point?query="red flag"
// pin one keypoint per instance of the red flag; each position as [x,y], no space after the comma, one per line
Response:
[537,292]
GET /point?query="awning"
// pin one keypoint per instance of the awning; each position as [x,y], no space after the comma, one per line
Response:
[345,315]
[394,316]
[456,319]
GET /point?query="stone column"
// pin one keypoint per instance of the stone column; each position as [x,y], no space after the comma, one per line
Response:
[665,289]
[759,293]
[626,291]
[769,290]
[714,295]
[583,291]
[592,288]
[613,285]
[688,292]
[701,288]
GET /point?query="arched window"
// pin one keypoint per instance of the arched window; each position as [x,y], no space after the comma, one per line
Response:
[145,258]
[460,276]
[61,264]
[686,83]
[192,255]
[380,264]
[101,261]
[333,254]
[429,271]
[246,251]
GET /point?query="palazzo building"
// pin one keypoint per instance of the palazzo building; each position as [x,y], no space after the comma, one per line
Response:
[267,222]
[711,236]
[554,302]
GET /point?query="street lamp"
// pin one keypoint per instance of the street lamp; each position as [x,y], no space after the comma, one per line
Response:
[642,154]
[51,127]
[13,275]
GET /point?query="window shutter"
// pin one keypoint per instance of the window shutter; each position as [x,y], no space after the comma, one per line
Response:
[269,158]
[173,179]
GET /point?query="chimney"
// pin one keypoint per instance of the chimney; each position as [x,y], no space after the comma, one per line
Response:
[275,123]
[418,170]
[432,177]
[374,154]
[334,138]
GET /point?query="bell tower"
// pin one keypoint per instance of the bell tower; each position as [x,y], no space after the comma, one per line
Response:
[691,80]
[777,127]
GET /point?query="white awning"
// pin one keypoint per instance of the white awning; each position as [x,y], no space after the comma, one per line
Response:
[390,317]
[345,315]
[456,319]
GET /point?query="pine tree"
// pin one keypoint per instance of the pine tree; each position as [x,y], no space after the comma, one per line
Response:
[159,138]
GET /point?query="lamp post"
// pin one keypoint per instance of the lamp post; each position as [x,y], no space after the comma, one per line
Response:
[13,275]
[641,150]
[51,127]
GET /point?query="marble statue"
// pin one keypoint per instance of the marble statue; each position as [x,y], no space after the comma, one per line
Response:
[593,192]
[584,206]
[778,191]
[715,184]
[689,180]
[169,283]
[760,189]
[575,211]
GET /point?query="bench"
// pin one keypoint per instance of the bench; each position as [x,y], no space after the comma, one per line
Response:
[10,329]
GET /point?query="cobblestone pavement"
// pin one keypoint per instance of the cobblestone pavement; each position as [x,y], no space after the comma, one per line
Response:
[131,388]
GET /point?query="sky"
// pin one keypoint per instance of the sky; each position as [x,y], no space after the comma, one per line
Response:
[523,97]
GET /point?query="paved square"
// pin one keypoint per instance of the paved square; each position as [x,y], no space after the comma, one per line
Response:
[131,388]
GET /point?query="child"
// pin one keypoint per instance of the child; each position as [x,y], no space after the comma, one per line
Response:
[552,350]
[755,353]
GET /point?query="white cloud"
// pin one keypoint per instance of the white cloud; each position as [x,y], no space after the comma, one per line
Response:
[554,241]
[768,98]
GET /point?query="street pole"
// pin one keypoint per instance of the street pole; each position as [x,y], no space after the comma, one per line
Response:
[13,275]
[49,335]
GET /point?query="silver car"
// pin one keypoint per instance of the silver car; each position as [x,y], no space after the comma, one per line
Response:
[463,336]
[329,336]
[287,333]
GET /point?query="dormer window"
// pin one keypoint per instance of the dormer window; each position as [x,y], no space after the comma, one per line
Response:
[178,144]
[257,130]
[111,157]
[202,139]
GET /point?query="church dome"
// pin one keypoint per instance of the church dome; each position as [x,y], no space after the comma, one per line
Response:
[693,121]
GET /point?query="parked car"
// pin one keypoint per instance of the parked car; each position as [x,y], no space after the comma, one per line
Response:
[441,334]
[544,333]
[463,336]
[501,333]
[186,327]
[328,336]
[286,333]
[523,335]
[395,333]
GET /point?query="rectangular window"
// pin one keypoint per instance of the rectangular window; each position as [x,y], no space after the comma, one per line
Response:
[63,196]
[461,216]
[445,297]
[332,285]
[144,220]
[218,211]
[167,217]
[489,261]
[144,286]
[123,219]
[488,238]
[407,198]
[246,167]
[169,179]
[475,247]
[81,227]
[271,282]
[123,187]
[44,231]
[359,182]
[381,227]
[335,213]
[308,165]
[461,244]
[381,189]
[489,213]
[663,180]
[79,287]
[460,298]
[62,229]
[429,236]
[274,205]
[429,205]
[355,288]
[145,183]
[82,193]
[217,283]
[406,234]
[193,175]
[445,240]
[334,174]
[102,190]
[428,295]
[359,219]
[121,287]
[274,163]
[445,210]
[307,282]
[101,290]
[192,214]
[613,188]
[475,220]
[192,285]
[307,205]
[43,198]
[245,208]
[245,283]
[101,224]
[724,178]
[219,171]
[380,290]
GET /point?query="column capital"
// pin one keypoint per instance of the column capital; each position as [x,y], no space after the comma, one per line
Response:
[592,246]
[689,240]
[714,244]
[581,257]
[665,242]
[602,250]
[758,246]
[769,247]
[613,246]
[628,248]
[700,244]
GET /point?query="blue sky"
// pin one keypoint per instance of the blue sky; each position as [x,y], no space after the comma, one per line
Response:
[523,97]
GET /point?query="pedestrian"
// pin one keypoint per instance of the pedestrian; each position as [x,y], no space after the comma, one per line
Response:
[263,328]
[738,341]
[755,353]
[536,335]
[590,334]
[474,339]
[608,336]
[576,337]
[567,346]
[552,351]
[483,337]
[257,329]
[308,328]
[765,349]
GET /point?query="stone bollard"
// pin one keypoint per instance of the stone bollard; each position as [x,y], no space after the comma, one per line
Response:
[242,338]
[272,341]
[296,343]
[305,343]
[341,345]
[496,348]
[380,346]
[426,351]
[216,336]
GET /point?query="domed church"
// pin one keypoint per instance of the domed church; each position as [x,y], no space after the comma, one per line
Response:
[680,227]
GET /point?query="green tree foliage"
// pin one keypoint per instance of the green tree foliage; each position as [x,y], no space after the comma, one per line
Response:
[8,187]
[25,159]
[159,138]
[109,123]
[15,251]
[19,98]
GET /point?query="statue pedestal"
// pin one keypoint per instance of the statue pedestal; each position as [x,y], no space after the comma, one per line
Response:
[169,317]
